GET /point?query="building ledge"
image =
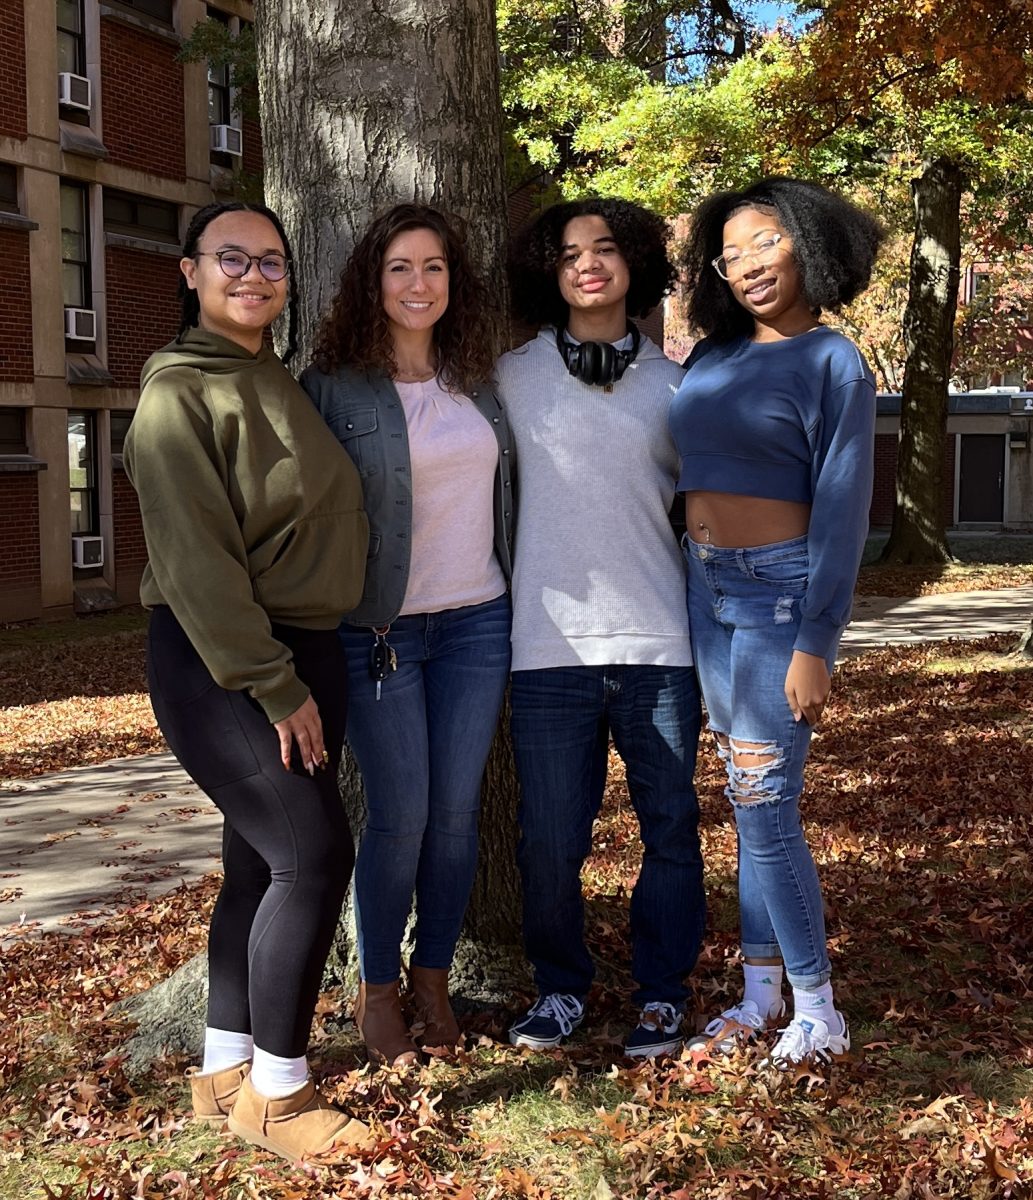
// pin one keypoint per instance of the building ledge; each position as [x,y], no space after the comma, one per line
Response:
[128,242]
[20,464]
[77,139]
[86,370]
[17,221]
[140,21]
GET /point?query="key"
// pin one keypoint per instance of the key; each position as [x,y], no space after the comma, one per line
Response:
[382,659]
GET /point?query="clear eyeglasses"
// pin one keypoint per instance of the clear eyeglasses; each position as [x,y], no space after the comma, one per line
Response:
[732,266]
[236,264]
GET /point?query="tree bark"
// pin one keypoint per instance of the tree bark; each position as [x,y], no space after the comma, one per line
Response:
[917,534]
[365,105]
[1023,648]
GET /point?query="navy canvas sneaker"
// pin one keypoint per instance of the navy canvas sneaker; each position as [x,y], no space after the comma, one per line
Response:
[549,1020]
[658,1031]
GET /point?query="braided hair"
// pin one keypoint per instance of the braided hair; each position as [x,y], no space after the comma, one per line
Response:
[190,306]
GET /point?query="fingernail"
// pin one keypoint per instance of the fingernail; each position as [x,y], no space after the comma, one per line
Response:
[311,769]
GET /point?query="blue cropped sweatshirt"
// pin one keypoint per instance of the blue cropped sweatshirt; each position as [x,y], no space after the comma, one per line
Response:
[788,420]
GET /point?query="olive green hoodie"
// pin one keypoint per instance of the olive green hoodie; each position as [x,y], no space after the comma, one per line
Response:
[252,511]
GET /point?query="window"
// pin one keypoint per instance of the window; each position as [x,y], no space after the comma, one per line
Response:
[219,106]
[82,472]
[980,286]
[75,247]
[12,431]
[1015,377]
[71,42]
[158,10]
[8,188]
[140,216]
[120,422]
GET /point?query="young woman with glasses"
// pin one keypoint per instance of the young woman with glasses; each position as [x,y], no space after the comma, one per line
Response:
[256,544]
[400,376]
[775,425]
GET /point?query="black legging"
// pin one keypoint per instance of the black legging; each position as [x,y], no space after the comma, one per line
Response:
[287,848]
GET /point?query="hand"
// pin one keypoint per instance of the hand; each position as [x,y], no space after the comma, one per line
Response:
[304,727]
[808,684]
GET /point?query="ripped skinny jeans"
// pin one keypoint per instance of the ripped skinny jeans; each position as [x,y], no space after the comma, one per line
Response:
[744,613]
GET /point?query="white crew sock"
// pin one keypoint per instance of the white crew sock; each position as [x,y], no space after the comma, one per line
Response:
[223,1048]
[817,1002]
[764,988]
[274,1077]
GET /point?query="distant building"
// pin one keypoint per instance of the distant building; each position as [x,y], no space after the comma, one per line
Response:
[108,145]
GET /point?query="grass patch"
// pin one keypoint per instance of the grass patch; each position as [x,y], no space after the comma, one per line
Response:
[73,630]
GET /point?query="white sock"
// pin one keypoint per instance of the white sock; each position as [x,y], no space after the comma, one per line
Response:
[764,988]
[275,1077]
[817,1002]
[223,1048]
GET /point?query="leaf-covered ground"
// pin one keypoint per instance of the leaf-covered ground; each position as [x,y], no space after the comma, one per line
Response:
[919,809]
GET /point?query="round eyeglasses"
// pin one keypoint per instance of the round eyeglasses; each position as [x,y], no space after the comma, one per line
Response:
[236,264]
[733,265]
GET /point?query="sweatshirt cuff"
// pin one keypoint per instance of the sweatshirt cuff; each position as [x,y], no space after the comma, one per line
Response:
[817,637]
[284,700]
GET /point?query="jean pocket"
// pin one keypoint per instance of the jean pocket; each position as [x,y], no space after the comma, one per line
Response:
[790,571]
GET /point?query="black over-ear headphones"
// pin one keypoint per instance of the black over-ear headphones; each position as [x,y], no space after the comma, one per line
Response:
[597,363]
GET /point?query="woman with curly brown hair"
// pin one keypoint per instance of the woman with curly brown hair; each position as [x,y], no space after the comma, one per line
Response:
[400,367]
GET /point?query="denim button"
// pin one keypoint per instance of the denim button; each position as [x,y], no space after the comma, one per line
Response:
[704,552]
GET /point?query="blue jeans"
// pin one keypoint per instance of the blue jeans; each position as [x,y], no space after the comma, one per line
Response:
[421,749]
[744,614]
[562,718]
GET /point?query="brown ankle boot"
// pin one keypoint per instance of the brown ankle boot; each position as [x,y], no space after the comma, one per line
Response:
[378,1014]
[212,1095]
[300,1125]
[435,1027]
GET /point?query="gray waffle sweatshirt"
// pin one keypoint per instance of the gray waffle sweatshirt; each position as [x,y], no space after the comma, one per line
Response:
[598,577]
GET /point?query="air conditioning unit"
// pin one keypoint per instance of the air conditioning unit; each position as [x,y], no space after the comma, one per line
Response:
[225,139]
[73,91]
[87,551]
[81,324]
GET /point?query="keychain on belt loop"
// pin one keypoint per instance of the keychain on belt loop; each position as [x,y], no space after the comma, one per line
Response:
[383,659]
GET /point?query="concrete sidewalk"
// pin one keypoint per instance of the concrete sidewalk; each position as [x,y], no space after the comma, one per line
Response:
[78,844]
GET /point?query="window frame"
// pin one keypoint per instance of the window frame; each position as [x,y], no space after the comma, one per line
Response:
[12,204]
[14,430]
[79,37]
[150,10]
[89,492]
[134,227]
[85,264]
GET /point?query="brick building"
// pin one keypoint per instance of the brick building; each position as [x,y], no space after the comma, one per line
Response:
[106,150]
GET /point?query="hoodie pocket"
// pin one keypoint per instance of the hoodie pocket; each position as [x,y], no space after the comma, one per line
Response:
[319,570]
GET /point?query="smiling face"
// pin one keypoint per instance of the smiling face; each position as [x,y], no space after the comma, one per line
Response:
[772,293]
[591,272]
[237,309]
[414,281]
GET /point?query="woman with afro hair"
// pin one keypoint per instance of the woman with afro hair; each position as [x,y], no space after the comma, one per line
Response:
[775,425]
[600,635]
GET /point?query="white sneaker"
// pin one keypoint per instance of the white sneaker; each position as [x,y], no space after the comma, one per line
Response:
[735,1027]
[808,1039]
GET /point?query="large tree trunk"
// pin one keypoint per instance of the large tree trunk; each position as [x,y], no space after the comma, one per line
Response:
[917,535]
[366,105]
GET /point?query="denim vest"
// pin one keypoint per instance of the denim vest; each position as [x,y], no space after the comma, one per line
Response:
[365,414]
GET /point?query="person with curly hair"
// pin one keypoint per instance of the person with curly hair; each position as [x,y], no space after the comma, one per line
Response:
[600,636]
[775,426]
[254,552]
[400,375]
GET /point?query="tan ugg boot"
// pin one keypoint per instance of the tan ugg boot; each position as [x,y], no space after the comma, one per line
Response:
[212,1095]
[301,1125]
[434,1024]
[378,1014]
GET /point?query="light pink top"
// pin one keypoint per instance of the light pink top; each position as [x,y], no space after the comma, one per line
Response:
[454,455]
